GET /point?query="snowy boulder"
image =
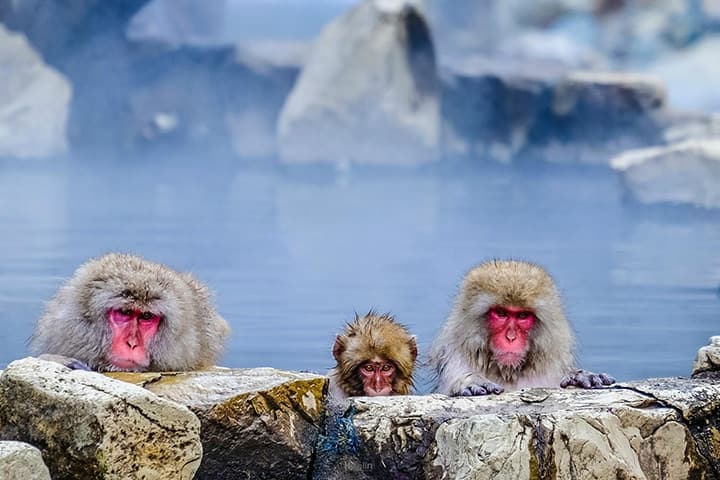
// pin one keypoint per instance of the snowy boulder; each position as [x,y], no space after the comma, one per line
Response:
[22,461]
[369,91]
[707,362]
[34,101]
[660,428]
[682,173]
[90,426]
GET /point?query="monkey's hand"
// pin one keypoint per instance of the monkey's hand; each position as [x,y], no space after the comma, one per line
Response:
[586,379]
[69,362]
[481,388]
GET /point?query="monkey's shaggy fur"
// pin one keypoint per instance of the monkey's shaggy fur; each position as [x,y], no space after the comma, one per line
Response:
[461,355]
[368,337]
[191,334]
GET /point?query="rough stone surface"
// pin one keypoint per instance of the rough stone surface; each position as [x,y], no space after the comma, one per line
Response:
[502,110]
[707,362]
[658,429]
[22,462]
[682,173]
[369,91]
[34,101]
[90,426]
[256,423]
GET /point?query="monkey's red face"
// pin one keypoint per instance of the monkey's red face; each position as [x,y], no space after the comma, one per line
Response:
[377,376]
[509,329]
[131,334]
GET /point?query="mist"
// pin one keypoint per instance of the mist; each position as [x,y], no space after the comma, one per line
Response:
[310,160]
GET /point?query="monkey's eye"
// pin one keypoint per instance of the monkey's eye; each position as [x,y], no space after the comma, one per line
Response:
[522,315]
[125,312]
[501,313]
[368,367]
[387,367]
[146,316]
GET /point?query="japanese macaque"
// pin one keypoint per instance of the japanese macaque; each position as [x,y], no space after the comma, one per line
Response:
[507,331]
[120,312]
[375,357]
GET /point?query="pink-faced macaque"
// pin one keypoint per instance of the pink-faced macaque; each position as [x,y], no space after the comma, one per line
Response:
[507,331]
[120,312]
[375,356]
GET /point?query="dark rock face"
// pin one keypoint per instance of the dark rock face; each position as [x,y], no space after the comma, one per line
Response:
[504,112]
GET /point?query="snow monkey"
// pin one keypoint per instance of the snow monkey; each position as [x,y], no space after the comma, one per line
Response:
[375,357]
[507,331]
[120,312]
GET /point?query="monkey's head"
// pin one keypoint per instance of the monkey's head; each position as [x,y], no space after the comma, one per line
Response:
[375,356]
[134,303]
[514,312]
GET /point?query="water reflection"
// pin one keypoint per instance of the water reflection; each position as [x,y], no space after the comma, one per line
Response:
[290,254]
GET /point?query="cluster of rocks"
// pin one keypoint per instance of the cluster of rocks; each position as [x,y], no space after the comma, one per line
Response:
[378,86]
[266,423]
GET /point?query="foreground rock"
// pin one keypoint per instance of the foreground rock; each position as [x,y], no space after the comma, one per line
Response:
[665,428]
[256,423]
[682,173]
[368,93]
[34,101]
[502,111]
[90,426]
[21,461]
[707,362]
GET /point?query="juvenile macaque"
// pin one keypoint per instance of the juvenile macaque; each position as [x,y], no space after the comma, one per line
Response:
[375,357]
[123,313]
[507,331]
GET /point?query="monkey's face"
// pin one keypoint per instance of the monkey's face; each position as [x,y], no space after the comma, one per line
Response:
[377,377]
[509,328]
[131,329]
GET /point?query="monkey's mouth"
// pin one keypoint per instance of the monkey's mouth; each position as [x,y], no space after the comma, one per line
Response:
[370,392]
[127,364]
[510,359]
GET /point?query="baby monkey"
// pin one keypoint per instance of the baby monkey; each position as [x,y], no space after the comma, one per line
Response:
[375,356]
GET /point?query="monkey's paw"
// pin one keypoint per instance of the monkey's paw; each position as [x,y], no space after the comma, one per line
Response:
[484,388]
[585,379]
[69,362]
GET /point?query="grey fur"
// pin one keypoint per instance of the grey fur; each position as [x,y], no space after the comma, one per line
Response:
[191,335]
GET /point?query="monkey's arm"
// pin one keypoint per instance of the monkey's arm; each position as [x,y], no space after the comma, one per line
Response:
[457,378]
[71,363]
[586,379]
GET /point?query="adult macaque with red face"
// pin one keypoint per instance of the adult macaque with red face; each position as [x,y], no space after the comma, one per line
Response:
[507,331]
[123,313]
[375,357]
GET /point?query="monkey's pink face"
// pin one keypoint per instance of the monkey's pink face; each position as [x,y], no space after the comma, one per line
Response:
[509,329]
[377,376]
[132,331]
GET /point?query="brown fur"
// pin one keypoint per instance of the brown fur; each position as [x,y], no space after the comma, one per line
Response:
[191,334]
[461,352]
[368,337]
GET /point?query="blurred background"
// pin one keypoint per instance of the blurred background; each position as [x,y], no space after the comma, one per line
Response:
[311,159]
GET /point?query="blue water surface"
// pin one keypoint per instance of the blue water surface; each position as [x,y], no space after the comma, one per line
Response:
[292,253]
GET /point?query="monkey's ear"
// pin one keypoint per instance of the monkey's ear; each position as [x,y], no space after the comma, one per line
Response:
[338,347]
[413,347]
